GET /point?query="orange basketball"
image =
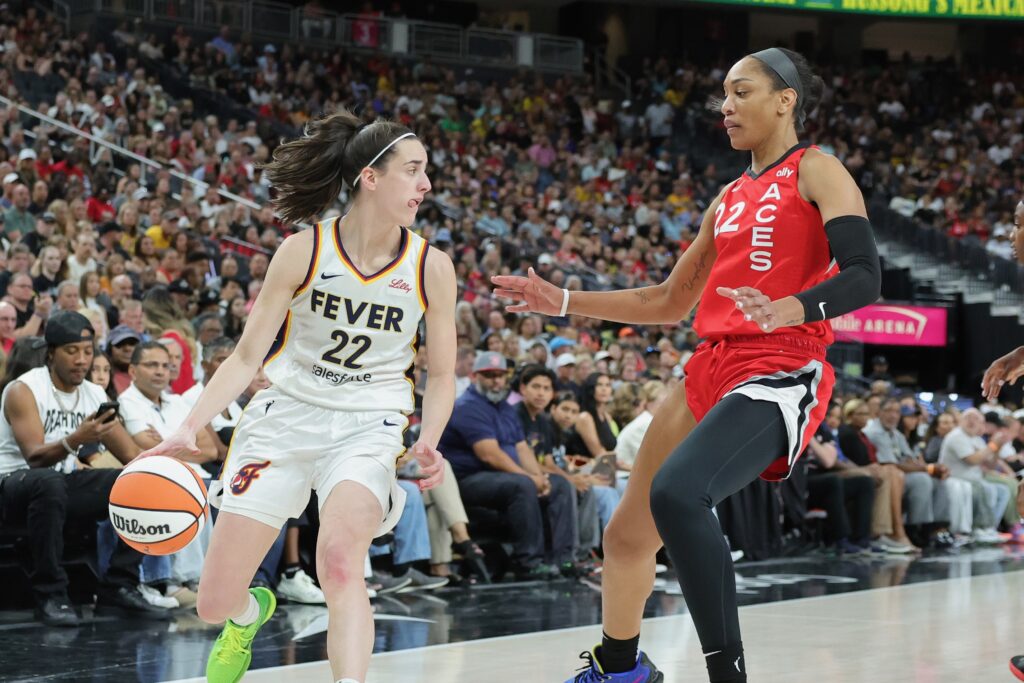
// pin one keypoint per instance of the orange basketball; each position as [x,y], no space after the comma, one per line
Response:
[158,505]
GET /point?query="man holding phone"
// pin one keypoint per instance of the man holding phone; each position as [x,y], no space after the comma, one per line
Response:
[48,415]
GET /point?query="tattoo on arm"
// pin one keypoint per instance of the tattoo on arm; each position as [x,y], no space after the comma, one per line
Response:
[643,296]
[698,269]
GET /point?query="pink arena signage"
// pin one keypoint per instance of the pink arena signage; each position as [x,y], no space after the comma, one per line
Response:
[894,325]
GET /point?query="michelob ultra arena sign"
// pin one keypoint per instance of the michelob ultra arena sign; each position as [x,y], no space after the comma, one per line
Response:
[938,9]
[893,325]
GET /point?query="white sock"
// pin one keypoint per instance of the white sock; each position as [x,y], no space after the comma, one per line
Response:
[250,615]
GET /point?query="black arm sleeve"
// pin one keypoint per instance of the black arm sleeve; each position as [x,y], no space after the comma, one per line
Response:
[859,281]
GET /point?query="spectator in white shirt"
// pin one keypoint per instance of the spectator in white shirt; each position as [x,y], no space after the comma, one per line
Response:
[151,415]
[652,395]
[968,457]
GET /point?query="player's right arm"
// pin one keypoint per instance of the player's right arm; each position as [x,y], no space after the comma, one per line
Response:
[661,304]
[286,274]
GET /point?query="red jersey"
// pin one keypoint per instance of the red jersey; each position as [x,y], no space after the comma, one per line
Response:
[768,237]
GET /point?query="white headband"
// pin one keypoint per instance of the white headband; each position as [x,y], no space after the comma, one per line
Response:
[379,155]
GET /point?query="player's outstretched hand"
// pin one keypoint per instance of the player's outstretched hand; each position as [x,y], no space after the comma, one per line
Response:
[536,294]
[179,444]
[755,307]
[431,465]
[1005,370]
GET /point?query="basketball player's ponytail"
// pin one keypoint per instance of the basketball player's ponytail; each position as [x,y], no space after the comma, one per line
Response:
[309,172]
[811,84]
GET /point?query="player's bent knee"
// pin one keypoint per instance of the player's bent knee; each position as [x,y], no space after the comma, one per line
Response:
[339,566]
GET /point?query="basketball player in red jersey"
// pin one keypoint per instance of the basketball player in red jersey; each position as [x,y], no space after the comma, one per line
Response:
[1007,370]
[781,249]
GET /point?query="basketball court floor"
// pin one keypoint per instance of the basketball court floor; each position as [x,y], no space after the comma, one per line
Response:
[940,618]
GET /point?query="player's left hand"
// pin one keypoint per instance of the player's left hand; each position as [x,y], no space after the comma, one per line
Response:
[755,307]
[1005,370]
[431,465]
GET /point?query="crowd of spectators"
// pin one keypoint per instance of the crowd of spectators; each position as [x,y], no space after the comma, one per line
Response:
[591,191]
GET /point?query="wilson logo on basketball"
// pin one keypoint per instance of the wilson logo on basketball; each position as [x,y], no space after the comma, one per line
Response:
[243,479]
[401,285]
[132,527]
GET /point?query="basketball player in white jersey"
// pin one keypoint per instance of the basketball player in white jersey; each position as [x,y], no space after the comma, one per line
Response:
[347,297]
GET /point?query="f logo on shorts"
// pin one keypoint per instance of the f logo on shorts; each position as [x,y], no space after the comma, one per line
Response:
[243,479]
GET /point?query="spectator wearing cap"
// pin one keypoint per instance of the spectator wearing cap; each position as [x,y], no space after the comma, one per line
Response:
[120,345]
[44,482]
[10,181]
[27,166]
[880,370]
[565,370]
[39,236]
[110,241]
[181,292]
[18,221]
[497,470]
[40,197]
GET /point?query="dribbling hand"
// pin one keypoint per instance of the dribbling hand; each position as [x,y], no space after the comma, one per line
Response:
[177,445]
[536,294]
[1005,370]
[431,465]
[756,307]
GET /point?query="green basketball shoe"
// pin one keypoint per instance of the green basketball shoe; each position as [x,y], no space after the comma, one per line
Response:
[232,653]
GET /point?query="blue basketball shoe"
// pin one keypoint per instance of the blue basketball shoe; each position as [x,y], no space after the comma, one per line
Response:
[643,672]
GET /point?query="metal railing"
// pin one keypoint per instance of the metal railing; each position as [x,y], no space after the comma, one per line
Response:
[275,21]
[966,254]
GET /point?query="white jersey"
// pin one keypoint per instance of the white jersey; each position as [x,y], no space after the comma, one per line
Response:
[349,340]
[60,413]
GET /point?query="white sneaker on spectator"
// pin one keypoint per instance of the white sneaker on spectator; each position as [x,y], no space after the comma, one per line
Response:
[300,588]
[893,546]
[153,597]
[987,536]
[183,595]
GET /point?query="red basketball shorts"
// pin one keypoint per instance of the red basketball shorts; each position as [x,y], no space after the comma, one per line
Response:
[789,371]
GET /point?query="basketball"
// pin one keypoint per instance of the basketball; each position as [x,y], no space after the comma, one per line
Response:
[158,505]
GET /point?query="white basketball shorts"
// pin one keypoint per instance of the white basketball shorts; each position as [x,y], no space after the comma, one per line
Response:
[283,448]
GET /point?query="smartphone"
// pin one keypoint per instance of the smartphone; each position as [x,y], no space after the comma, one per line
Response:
[106,408]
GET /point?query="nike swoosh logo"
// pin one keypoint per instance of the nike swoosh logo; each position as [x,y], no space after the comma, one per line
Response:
[821,307]
[388,424]
[325,276]
[737,662]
